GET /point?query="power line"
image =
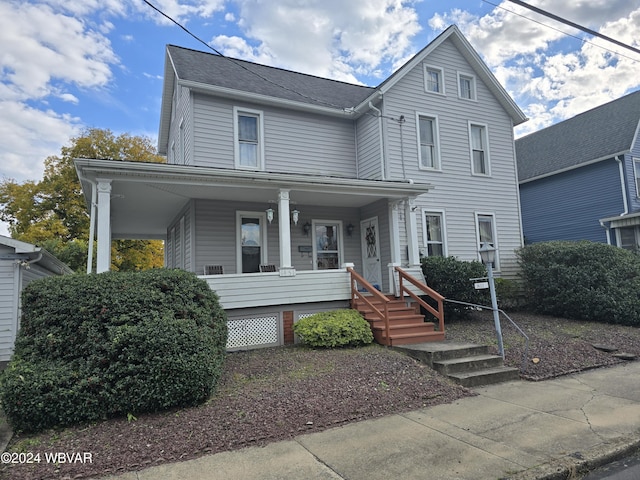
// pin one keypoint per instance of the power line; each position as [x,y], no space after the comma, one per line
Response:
[574,25]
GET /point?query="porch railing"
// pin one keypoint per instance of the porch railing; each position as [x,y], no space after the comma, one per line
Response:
[438,313]
[356,294]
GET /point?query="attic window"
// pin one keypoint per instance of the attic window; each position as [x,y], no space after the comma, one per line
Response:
[433,79]
[466,86]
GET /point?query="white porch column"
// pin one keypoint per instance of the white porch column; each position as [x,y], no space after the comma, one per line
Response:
[412,232]
[284,230]
[394,239]
[103,256]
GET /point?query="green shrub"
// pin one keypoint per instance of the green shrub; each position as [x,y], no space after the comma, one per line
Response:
[95,346]
[451,278]
[582,280]
[337,328]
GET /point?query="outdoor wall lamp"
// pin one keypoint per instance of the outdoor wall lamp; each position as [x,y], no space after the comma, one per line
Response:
[294,216]
[350,228]
[270,214]
[306,228]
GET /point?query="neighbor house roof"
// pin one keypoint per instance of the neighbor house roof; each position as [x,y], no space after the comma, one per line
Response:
[33,254]
[597,134]
[235,78]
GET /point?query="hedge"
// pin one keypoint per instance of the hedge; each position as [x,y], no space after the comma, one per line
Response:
[95,346]
[337,328]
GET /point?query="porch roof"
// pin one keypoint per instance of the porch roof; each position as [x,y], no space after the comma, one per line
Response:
[147,197]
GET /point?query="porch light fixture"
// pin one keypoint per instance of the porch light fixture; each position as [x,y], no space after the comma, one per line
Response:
[306,228]
[294,216]
[270,214]
[488,256]
[350,228]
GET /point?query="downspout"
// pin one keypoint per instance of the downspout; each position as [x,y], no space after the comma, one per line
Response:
[380,134]
[623,184]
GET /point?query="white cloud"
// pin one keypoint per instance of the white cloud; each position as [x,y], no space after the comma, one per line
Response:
[329,38]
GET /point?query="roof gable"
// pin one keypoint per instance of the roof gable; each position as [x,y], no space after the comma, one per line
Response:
[597,134]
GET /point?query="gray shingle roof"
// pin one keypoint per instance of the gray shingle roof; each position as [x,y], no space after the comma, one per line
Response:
[210,69]
[595,134]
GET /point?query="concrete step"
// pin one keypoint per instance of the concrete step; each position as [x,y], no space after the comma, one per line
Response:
[429,353]
[468,364]
[486,377]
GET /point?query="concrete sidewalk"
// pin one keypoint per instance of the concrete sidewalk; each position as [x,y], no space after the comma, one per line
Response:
[517,430]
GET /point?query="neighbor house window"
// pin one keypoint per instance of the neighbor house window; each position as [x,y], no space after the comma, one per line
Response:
[636,170]
[428,139]
[486,232]
[466,86]
[433,79]
[479,149]
[249,139]
[434,236]
[629,238]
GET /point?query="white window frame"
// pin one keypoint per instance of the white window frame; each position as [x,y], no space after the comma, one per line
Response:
[440,71]
[636,174]
[636,233]
[314,240]
[436,139]
[494,233]
[472,81]
[443,225]
[237,112]
[487,155]
[240,214]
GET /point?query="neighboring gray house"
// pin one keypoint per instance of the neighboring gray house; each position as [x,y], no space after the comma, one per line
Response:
[20,264]
[580,178]
[306,175]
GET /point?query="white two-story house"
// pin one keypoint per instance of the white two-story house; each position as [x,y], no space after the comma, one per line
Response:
[275,180]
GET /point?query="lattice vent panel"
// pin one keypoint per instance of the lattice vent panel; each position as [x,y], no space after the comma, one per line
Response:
[304,315]
[253,332]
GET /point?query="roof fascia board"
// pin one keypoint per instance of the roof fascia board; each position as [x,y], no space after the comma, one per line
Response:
[18,246]
[574,167]
[635,137]
[168,85]
[89,169]
[620,217]
[266,99]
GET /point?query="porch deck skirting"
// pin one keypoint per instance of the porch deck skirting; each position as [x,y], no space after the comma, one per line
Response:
[265,289]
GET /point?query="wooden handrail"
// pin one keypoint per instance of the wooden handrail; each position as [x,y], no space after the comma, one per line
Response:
[356,279]
[439,313]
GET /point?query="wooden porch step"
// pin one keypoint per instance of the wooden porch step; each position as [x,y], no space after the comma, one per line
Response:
[400,328]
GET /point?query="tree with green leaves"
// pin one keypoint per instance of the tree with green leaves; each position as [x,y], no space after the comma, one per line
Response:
[52,212]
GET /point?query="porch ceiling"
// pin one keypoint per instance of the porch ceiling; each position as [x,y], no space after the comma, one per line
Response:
[147,197]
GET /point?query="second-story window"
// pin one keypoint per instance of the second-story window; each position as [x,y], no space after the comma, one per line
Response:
[433,79]
[248,135]
[428,140]
[636,169]
[479,149]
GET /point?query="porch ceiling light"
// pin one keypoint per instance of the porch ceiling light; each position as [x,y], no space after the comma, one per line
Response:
[487,253]
[295,215]
[270,214]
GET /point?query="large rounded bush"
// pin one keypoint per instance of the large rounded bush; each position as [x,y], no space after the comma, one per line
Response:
[95,346]
[336,328]
[582,280]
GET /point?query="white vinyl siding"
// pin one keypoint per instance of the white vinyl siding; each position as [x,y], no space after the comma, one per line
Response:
[429,148]
[479,146]
[636,172]
[369,148]
[434,79]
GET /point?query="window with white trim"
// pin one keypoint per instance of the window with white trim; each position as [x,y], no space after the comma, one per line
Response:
[249,138]
[428,148]
[479,145]
[327,244]
[466,86]
[434,233]
[486,233]
[433,79]
[636,172]
[629,238]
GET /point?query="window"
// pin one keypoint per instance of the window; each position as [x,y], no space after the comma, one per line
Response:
[636,171]
[433,234]
[629,238]
[433,79]
[486,232]
[466,86]
[326,241]
[428,139]
[479,149]
[248,133]
[251,241]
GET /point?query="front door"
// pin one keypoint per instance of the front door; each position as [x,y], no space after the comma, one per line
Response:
[370,241]
[251,241]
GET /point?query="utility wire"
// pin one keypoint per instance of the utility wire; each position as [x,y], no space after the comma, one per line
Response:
[575,25]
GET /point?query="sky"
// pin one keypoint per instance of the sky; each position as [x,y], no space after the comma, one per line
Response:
[67,65]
